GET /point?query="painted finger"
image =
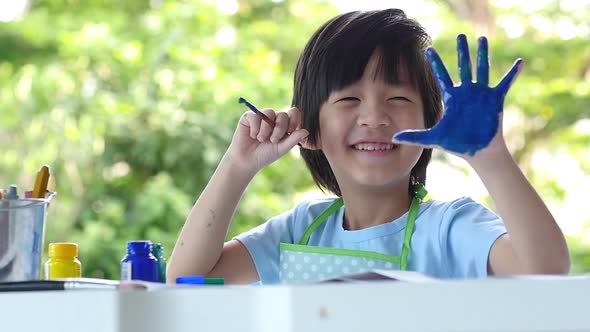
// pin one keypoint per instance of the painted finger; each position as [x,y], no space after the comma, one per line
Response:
[510,76]
[440,71]
[483,62]
[419,137]
[464,59]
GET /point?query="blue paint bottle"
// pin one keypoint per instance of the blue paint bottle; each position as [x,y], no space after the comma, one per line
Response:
[139,263]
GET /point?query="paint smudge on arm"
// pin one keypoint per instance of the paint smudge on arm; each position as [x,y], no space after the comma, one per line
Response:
[211,220]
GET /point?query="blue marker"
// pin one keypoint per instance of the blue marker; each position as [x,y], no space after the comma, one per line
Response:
[199,280]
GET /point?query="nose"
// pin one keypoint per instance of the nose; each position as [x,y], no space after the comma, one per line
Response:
[373,116]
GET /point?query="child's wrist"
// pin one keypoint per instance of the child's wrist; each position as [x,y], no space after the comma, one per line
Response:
[236,170]
[488,161]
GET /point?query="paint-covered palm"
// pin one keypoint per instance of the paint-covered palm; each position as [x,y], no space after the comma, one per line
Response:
[472,109]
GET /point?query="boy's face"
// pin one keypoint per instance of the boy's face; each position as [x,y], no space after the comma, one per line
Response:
[356,126]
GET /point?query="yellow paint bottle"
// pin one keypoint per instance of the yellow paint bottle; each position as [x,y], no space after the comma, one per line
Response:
[63,261]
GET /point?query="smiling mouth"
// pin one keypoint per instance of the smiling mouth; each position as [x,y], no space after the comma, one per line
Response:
[375,146]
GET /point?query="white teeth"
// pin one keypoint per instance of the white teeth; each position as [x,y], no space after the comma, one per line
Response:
[374,146]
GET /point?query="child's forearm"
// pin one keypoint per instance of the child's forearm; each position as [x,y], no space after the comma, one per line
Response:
[536,239]
[201,239]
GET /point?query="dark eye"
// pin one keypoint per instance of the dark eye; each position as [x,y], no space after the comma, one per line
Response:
[399,98]
[348,99]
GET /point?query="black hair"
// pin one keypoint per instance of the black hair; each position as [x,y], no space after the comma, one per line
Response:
[348,41]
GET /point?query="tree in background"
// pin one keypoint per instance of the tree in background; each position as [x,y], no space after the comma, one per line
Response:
[133,103]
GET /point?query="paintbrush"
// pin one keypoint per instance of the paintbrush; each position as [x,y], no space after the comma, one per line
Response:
[253,108]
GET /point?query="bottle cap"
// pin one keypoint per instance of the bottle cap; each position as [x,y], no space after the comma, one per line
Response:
[139,247]
[157,249]
[11,192]
[63,249]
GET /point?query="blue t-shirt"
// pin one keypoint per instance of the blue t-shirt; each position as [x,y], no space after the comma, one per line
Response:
[451,239]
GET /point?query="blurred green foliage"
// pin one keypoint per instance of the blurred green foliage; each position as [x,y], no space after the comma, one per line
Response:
[133,103]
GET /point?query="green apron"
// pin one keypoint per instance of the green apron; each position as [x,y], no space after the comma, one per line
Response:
[301,263]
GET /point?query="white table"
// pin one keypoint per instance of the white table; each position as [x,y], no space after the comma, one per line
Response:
[554,304]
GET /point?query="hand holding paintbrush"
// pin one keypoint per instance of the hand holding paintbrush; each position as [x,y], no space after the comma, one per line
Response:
[253,108]
[265,135]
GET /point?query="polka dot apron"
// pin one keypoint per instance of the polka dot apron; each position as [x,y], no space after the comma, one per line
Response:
[302,263]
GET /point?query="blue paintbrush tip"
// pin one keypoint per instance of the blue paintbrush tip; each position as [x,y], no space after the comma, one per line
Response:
[243,100]
[253,108]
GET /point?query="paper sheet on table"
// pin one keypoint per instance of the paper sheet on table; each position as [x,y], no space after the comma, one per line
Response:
[383,275]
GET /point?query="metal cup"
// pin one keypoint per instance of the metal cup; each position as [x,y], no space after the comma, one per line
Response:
[22,230]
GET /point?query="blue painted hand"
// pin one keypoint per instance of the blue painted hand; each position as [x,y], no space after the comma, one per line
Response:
[473,110]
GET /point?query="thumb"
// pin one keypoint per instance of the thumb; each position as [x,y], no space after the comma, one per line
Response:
[418,137]
[290,141]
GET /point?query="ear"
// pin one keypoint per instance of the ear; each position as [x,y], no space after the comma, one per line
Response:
[309,146]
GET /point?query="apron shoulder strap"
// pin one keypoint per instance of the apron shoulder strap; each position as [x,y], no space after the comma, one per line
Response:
[320,220]
[410,225]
